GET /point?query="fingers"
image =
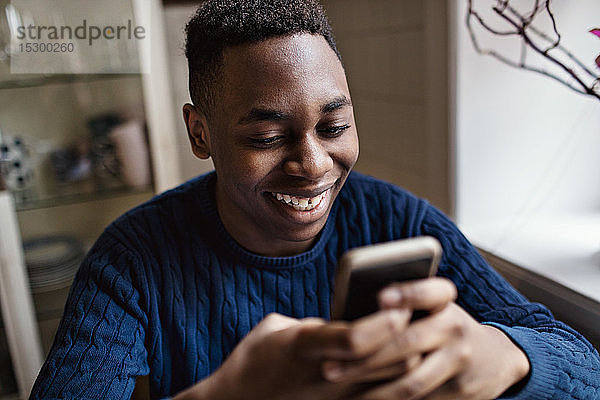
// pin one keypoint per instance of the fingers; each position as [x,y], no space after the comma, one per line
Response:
[427,334]
[338,372]
[420,337]
[312,338]
[371,333]
[391,372]
[367,337]
[275,322]
[344,341]
[323,341]
[436,369]
[431,294]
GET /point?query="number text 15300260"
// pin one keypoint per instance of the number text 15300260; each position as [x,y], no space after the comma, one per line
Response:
[46,47]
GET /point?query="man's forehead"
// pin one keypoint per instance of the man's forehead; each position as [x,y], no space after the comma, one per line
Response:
[289,75]
[291,52]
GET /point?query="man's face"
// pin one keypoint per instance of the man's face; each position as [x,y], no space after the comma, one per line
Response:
[283,140]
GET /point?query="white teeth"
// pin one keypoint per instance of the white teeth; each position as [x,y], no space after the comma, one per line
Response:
[317,199]
[300,203]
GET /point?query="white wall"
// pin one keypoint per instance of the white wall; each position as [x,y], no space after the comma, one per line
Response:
[528,155]
[526,143]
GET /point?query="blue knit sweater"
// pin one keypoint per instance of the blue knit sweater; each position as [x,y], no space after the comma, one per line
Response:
[166,291]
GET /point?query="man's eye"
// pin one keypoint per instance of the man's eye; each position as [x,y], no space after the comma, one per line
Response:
[265,142]
[333,131]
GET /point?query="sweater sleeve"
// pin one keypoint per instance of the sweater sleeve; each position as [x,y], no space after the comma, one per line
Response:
[564,365]
[99,348]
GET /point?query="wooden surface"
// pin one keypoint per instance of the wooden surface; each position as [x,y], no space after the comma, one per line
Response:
[575,309]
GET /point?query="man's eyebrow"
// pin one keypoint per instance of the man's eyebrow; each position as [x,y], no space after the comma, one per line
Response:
[336,103]
[266,114]
[263,114]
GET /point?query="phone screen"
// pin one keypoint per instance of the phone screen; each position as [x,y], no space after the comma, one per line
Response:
[365,283]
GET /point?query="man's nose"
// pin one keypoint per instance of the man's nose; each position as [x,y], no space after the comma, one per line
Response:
[310,159]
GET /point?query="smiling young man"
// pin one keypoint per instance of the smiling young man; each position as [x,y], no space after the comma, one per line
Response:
[212,289]
[283,140]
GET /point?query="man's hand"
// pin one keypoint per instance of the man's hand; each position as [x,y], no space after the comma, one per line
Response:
[281,358]
[459,358]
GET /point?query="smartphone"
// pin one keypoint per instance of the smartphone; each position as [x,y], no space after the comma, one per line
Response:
[363,271]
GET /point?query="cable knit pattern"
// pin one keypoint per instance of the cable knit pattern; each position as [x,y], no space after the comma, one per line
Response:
[166,291]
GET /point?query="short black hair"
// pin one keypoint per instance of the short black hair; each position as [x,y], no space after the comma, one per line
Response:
[218,24]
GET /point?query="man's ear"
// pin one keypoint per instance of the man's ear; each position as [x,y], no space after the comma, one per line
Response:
[197,129]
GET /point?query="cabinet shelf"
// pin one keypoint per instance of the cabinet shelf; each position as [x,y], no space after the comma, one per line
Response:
[63,199]
[34,80]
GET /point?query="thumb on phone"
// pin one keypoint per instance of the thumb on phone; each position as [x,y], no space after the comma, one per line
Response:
[430,294]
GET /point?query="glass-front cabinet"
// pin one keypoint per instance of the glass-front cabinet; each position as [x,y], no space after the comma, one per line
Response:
[86,132]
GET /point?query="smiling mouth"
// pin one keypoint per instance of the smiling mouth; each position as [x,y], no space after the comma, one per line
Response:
[300,203]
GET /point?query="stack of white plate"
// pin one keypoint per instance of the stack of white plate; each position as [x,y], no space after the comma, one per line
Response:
[52,261]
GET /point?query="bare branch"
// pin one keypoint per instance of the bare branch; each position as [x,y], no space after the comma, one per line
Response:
[564,51]
[522,24]
[473,13]
[554,27]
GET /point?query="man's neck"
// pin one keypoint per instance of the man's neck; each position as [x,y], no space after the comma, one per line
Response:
[253,241]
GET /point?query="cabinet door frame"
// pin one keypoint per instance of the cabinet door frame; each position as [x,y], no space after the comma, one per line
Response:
[17,304]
